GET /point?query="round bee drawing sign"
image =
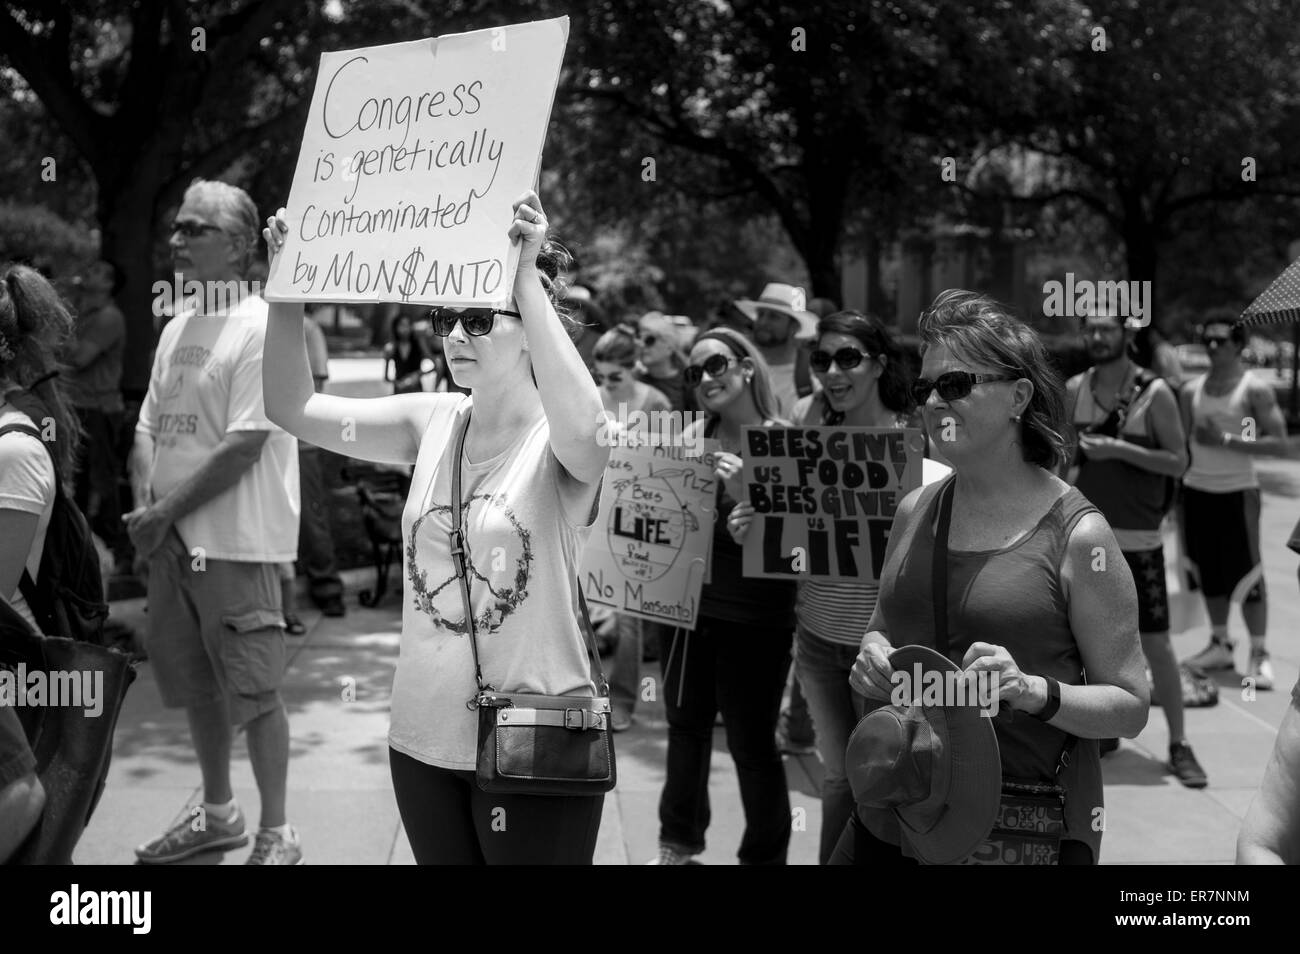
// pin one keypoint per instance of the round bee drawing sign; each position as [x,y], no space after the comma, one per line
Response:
[648,551]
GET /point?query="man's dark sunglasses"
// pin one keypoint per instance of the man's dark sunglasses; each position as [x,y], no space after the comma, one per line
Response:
[476,321]
[1215,341]
[953,385]
[845,358]
[194,229]
[715,364]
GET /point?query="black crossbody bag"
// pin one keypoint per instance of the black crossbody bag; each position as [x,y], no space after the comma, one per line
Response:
[529,743]
[1031,814]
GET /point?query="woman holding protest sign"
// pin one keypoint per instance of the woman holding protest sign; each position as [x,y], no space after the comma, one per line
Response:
[737,658]
[615,357]
[864,383]
[531,473]
[1036,589]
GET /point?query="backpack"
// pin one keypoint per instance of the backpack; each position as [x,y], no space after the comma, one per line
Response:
[1113,426]
[67,596]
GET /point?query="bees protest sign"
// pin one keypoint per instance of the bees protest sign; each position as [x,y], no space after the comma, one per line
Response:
[825,498]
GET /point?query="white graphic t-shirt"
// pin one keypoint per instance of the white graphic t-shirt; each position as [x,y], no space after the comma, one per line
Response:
[523,556]
[207,383]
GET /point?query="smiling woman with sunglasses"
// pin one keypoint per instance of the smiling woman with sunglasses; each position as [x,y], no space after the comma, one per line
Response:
[864,383]
[1036,589]
[531,474]
[737,658]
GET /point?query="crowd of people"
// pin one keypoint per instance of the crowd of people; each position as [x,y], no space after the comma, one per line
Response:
[1028,486]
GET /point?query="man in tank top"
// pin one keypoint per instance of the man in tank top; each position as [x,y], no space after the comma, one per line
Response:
[1130,444]
[1231,417]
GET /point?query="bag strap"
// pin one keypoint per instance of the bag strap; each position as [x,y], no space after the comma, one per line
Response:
[939,598]
[457,539]
[939,569]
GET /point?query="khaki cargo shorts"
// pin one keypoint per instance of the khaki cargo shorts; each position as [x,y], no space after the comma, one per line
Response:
[215,632]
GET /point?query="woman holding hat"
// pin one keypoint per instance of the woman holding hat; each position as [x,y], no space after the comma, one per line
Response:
[737,658]
[1036,588]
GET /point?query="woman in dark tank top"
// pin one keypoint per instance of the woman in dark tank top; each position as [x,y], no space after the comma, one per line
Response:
[1037,587]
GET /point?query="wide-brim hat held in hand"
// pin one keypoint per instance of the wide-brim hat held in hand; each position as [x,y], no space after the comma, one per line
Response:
[786,299]
[932,771]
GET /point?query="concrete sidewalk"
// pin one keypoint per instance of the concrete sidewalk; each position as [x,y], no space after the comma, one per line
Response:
[341,800]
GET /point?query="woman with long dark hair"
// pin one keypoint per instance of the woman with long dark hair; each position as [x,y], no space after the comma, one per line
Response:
[35,324]
[531,474]
[864,383]
[737,658]
[1028,607]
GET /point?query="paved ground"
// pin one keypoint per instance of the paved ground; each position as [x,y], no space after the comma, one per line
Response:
[341,799]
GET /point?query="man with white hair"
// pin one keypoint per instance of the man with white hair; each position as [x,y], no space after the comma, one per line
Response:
[217,504]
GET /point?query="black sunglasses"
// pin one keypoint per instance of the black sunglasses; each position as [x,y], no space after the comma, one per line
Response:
[614,377]
[647,340]
[715,364]
[953,385]
[476,321]
[845,358]
[1215,341]
[194,229]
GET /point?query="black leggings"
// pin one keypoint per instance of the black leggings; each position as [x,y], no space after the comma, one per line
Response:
[450,821]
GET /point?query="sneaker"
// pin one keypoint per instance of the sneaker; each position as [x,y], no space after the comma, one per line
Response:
[668,855]
[1261,670]
[181,840]
[1217,655]
[1184,765]
[272,848]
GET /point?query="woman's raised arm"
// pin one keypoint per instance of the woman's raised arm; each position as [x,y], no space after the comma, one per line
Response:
[570,398]
[382,429]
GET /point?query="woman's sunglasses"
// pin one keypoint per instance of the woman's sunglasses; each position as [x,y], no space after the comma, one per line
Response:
[476,321]
[715,364]
[614,377]
[845,359]
[953,385]
[647,340]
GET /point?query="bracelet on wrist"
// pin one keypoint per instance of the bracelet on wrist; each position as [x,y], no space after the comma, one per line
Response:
[1053,704]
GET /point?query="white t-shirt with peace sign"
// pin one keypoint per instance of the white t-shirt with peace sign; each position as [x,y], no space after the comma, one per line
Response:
[523,563]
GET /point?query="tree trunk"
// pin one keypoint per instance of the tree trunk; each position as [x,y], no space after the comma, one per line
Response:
[1140,250]
[127,219]
[876,303]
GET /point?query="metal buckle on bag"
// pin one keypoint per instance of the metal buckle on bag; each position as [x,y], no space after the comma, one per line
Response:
[487,698]
[457,541]
[581,720]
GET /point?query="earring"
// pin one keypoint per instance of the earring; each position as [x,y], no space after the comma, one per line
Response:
[1016,419]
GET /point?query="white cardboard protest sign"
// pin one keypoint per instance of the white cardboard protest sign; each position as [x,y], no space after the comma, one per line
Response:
[411,159]
[650,545]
